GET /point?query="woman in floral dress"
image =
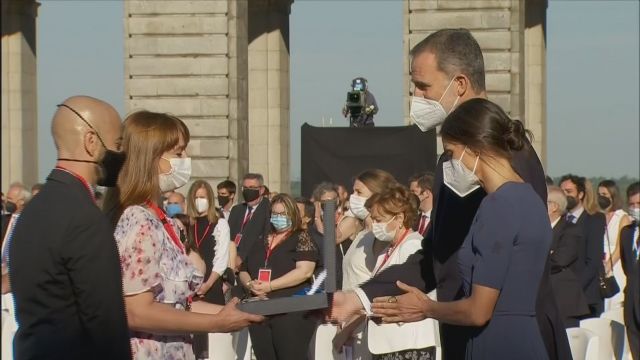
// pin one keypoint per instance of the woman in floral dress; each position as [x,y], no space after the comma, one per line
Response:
[158,277]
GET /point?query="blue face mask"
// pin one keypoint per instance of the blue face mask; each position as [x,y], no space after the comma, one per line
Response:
[280,222]
[173,209]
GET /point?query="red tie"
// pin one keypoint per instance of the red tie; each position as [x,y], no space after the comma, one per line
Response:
[246,217]
[424,221]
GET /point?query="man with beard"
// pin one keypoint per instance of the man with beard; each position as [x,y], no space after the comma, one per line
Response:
[64,268]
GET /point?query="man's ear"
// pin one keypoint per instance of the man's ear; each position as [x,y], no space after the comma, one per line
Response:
[462,84]
[91,143]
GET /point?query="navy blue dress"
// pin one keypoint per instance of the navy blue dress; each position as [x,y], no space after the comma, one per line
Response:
[506,249]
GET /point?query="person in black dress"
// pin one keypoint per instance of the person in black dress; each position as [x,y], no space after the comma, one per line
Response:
[209,237]
[502,258]
[280,266]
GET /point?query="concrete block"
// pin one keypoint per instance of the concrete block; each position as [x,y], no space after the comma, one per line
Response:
[423,4]
[152,7]
[497,61]
[474,4]
[498,81]
[192,65]
[177,45]
[193,86]
[161,25]
[218,168]
[488,40]
[478,19]
[217,147]
[504,100]
[183,106]
[201,127]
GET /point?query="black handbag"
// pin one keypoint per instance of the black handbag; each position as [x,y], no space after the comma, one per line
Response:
[608,285]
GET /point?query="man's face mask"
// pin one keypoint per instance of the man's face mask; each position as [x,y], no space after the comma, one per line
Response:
[110,164]
[427,113]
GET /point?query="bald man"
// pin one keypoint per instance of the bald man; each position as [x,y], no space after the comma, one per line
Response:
[64,268]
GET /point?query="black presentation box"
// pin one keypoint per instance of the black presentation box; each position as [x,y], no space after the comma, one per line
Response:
[305,302]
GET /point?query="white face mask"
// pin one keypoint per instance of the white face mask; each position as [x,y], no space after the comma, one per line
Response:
[635,214]
[427,113]
[202,205]
[458,178]
[356,205]
[178,176]
[380,231]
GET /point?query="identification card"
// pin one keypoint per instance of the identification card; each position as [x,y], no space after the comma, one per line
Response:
[264,275]
[237,239]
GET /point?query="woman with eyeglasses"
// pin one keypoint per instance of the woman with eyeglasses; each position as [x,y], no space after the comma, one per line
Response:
[281,265]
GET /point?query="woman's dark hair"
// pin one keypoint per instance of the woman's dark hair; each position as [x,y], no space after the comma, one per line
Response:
[483,126]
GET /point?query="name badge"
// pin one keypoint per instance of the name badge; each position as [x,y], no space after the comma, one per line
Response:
[264,275]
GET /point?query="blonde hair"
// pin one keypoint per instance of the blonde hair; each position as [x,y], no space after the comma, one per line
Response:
[291,208]
[590,201]
[212,215]
[146,136]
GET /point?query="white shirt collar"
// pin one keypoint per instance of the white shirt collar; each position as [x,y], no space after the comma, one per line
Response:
[555,222]
[428,213]
[577,212]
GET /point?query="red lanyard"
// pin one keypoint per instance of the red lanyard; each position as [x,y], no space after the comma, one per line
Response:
[270,247]
[390,251]
[82,180]
[206,231]
[167,225]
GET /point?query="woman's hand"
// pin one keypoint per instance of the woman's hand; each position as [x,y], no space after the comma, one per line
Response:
[409,307]
[204,288]
[231,319]
[259,288]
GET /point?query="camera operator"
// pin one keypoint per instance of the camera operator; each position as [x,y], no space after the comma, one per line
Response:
[361,105]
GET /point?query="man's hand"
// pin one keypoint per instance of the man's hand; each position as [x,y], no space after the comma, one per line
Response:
[231,319]
[345,305]
[409,307]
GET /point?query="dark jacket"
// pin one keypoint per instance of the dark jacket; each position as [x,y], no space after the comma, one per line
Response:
[258,226]
[563,257]
[631,268]
[65,277]
[438,262]
[591,253]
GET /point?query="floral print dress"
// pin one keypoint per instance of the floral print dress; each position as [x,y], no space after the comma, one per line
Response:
[152,262]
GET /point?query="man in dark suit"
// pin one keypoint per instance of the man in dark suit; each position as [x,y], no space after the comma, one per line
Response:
[591,251]
[630,257]
[250,221]
[421,185]
[563,255]
[64,268]
[447,67]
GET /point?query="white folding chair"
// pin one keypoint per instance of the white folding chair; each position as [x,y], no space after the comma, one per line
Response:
[618,316]
[583,344]
[611,334]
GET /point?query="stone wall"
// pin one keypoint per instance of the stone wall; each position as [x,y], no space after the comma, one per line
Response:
[182,57]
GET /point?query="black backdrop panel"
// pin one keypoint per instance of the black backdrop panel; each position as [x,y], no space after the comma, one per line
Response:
[339,154]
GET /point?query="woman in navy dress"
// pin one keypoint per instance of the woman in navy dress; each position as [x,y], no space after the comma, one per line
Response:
[503,256]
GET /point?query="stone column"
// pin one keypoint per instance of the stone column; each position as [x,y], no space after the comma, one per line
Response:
[269,91]
[497,25]
[19,93]
[180,57]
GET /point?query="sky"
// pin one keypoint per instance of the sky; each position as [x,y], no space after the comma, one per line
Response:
[593,74]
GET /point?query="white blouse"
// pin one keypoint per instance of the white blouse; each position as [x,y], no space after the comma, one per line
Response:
[222,234]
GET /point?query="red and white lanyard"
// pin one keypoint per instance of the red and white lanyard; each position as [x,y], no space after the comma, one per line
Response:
[390,251]
[167,225]
[206,231]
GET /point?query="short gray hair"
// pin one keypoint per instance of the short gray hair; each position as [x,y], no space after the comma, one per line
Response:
[254,176]
[556,195]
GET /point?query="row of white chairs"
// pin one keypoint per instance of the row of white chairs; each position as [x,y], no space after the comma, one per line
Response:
[602,338]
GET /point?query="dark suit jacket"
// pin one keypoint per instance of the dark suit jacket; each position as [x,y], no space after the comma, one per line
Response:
[567,238]
[591,254]
[438,262]
[4,224]
[65,277]
[256,228]
[631,267]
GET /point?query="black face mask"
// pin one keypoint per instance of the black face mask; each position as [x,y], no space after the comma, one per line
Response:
[10,207]
[572,202]
[223,200]
[111,165]
[604,202]
[250,194]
